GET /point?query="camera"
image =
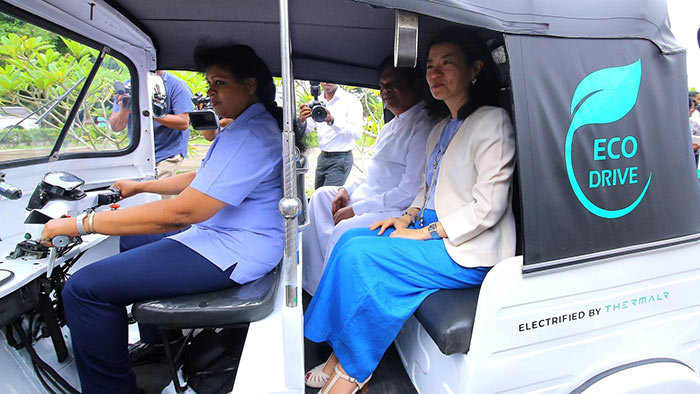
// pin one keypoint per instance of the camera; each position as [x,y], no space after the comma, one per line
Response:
[201,101]
[203,117]
[318,109]
[123,89]
[158,103]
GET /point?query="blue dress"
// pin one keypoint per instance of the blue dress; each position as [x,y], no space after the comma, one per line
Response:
[373,284]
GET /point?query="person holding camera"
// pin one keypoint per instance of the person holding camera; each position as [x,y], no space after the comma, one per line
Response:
[170,133]
[337,133]
[392,178]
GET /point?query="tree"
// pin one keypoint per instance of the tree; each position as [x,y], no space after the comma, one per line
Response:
[36,74]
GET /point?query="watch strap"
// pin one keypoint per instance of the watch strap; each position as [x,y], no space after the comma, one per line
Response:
[432,229]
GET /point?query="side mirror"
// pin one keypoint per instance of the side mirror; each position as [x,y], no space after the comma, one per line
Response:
[156,89]
[405,39]
[203,117]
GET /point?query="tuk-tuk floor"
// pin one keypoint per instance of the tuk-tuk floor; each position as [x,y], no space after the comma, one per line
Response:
[390,376]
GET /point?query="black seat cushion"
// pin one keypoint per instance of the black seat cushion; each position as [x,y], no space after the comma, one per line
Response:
[239,304]
[448,317]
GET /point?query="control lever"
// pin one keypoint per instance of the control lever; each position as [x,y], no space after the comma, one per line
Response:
[7,190]
[58,241]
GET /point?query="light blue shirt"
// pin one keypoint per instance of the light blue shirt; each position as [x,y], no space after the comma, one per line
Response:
[242,168]
[445,137]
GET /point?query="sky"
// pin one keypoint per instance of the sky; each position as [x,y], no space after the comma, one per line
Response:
[685,21]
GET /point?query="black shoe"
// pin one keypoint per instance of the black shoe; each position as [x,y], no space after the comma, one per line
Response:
[144,353]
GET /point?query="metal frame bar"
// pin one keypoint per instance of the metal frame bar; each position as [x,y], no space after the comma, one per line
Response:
[290,204]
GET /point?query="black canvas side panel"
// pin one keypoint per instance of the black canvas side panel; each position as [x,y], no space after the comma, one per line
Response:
[604,148]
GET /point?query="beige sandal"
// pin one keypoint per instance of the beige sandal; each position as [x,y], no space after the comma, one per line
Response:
[340,375]
[316,378]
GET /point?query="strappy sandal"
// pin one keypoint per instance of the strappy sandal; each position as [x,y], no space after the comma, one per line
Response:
[316,378]
[340,375]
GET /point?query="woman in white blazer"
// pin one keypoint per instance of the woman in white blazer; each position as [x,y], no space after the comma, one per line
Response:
[459,226]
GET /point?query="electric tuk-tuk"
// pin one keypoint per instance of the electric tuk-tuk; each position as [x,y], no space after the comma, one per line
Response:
[602,295]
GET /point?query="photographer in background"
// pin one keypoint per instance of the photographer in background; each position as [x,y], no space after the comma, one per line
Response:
[336,135]
[170,133]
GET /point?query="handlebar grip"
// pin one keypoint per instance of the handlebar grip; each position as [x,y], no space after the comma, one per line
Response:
[10,191]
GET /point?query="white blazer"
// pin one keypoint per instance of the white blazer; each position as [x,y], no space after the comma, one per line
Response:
[473,189]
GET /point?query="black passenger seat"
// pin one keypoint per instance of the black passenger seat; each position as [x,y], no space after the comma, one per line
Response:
[448,315]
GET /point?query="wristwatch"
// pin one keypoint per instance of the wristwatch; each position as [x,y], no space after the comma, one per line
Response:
[432,229]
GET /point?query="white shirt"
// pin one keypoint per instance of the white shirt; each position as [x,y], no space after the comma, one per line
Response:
[395,172]
[695,116]
[346,111]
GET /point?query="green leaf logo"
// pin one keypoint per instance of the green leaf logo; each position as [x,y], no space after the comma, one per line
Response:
[603,96]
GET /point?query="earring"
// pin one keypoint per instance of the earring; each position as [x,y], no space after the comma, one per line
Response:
[474,81]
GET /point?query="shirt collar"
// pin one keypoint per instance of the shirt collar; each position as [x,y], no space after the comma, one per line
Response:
[164,76]
[338,92]
[409,112]
[249,113]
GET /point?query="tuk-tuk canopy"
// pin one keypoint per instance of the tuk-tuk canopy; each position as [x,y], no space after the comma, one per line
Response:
[344,41]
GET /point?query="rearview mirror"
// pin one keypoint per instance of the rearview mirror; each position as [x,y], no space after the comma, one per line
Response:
[405,39]
[156,88]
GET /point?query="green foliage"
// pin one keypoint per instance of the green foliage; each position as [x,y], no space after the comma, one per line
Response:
[35,72]
[9,25]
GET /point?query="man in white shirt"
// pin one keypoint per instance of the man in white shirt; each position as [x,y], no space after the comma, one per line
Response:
[336,136]
[392,179]
[694,113]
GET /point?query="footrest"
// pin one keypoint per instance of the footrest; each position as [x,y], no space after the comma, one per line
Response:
[448,317]
[239,304]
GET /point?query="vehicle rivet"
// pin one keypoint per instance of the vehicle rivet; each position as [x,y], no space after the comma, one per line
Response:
[146,113]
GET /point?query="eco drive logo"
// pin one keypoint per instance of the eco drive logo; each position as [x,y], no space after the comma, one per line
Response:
[606,96]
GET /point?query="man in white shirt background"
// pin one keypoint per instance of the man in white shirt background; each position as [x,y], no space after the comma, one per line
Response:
[336,136]
[391,181]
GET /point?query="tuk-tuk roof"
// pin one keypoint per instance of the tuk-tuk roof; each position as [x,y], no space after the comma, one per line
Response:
[344,40]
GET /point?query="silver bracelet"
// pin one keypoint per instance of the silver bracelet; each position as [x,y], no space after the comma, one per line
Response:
[91,221]
[79,224]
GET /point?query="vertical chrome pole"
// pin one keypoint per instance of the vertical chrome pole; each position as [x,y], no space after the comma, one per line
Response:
[290,205]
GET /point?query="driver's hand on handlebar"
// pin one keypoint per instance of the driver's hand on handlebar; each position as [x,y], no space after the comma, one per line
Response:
[127,188]
[304,113]
[54,227]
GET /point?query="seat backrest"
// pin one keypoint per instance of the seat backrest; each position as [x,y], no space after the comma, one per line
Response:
[516,203]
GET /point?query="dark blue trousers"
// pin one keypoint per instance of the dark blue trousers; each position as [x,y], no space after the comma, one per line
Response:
[148,332]
[96,296]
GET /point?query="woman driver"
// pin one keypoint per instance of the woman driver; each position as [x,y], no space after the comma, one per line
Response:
[236,232]
[459,226]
